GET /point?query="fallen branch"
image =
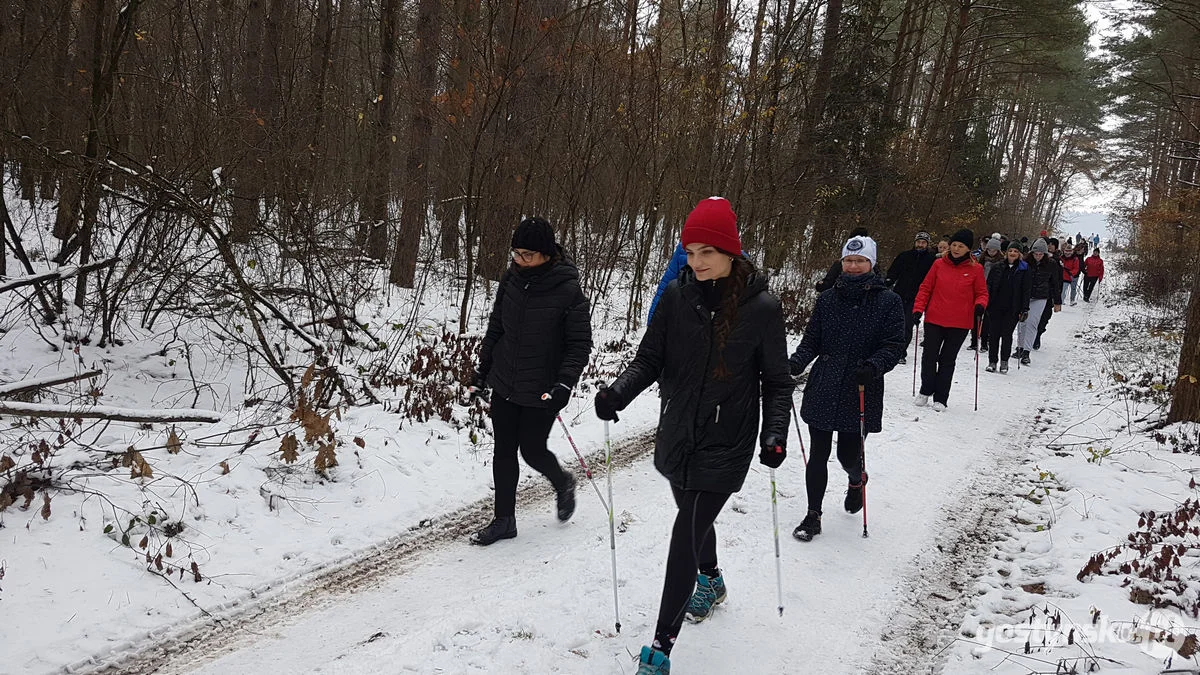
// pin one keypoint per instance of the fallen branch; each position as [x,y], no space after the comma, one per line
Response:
[59,274]
[26,386]
[99,412]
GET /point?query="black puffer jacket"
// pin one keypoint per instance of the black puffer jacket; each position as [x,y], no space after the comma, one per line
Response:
[1047,279]
[539,334]
[857,321]
[708,426]
[1008,289]
[907,272]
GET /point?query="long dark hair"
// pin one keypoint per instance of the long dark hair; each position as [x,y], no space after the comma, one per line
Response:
[739,277]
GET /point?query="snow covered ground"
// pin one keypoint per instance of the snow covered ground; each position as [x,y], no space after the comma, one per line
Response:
[977,521]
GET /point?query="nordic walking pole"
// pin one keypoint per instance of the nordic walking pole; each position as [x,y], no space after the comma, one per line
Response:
[586,469]
[979,330]
[775,527]
[916,346]
[612,527]
[803,454]
[862,449]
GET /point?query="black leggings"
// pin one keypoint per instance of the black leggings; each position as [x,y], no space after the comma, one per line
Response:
[937,360]
[693,548]
[816,474]
[1000,336]
[514,427]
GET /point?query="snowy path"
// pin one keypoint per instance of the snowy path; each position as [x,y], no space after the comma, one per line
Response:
[543,602]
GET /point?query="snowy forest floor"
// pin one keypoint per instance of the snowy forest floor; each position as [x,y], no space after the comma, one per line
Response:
[980,523]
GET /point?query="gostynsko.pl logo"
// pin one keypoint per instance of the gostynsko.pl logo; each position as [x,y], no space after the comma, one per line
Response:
[1163,634]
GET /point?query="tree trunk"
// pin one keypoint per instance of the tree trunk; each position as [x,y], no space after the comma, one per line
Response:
[1185,398]
[416,173]
[378,185]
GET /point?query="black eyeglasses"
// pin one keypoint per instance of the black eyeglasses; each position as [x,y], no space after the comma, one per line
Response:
[526,256]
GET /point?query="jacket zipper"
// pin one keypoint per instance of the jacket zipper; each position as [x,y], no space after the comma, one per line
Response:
[700,395]
[513,370]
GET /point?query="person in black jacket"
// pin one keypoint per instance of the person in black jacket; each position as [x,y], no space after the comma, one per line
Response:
[856,335]
[538,341]
[835,270]
[716,341]
[1045,295]
[905,275]
[1009,284]
[1055,257]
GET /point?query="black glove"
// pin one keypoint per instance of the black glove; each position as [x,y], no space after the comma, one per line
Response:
[559,396]
[979,310]
[865,374]
[916,317]
[606,405]
[773,452]
[1022,317]
[478,389]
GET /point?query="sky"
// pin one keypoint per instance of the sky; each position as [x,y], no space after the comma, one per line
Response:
[1089,206]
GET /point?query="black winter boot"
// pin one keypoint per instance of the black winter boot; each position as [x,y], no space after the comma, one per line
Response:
[809,527]
[566,499]
[854,496]
[499,528]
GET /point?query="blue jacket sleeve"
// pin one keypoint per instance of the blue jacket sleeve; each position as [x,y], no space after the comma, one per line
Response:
[678,262]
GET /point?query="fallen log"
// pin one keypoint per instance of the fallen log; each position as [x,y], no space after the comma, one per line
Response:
[101,412]
[26,386]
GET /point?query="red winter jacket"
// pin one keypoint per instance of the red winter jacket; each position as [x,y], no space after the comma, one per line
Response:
[1070,267]
[1095,267]
[950,292]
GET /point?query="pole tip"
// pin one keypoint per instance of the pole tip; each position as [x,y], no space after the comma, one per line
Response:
[618,626]
[781,611]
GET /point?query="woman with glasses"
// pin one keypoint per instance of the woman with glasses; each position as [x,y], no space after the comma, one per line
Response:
[538,341]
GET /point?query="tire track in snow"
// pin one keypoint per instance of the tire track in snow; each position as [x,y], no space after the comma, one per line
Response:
[939,593]
[240,624]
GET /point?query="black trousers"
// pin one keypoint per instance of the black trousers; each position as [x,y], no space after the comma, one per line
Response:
[816,474]
[1089,285]
[909,323]
[937,360]
[1000,335]
[693,548]
[527,429]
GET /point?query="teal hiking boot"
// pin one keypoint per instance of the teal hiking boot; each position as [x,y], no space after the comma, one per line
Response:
[710,592]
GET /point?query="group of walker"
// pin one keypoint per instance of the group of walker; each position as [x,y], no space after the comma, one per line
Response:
[716,346]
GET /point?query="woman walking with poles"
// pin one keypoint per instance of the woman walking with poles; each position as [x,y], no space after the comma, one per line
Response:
[1008,286]
[538,340]
[855,335]
[716,341]
[1045,295]
[953,298]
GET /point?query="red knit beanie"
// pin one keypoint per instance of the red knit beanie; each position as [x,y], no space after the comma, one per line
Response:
[713,222]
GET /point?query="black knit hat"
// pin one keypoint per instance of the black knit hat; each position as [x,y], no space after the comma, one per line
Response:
[964,237]
[535,234]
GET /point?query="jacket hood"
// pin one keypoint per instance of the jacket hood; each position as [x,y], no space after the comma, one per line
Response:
[560,269]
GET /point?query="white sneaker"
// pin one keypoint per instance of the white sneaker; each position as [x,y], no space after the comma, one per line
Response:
[922,400]
[1072,303]
[938,407]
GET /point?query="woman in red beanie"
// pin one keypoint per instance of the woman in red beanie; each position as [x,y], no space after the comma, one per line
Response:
[716,340]
[953,298]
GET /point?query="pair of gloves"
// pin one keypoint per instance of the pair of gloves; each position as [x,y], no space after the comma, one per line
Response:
[773,449]
[979,310]
[556,399]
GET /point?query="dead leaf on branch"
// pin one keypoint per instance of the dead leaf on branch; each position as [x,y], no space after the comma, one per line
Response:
[6,463]
[360,442]
[170,552]
[45,506]
[224,467]
[289,449]
[173,445]
[196,572]
[326,459]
